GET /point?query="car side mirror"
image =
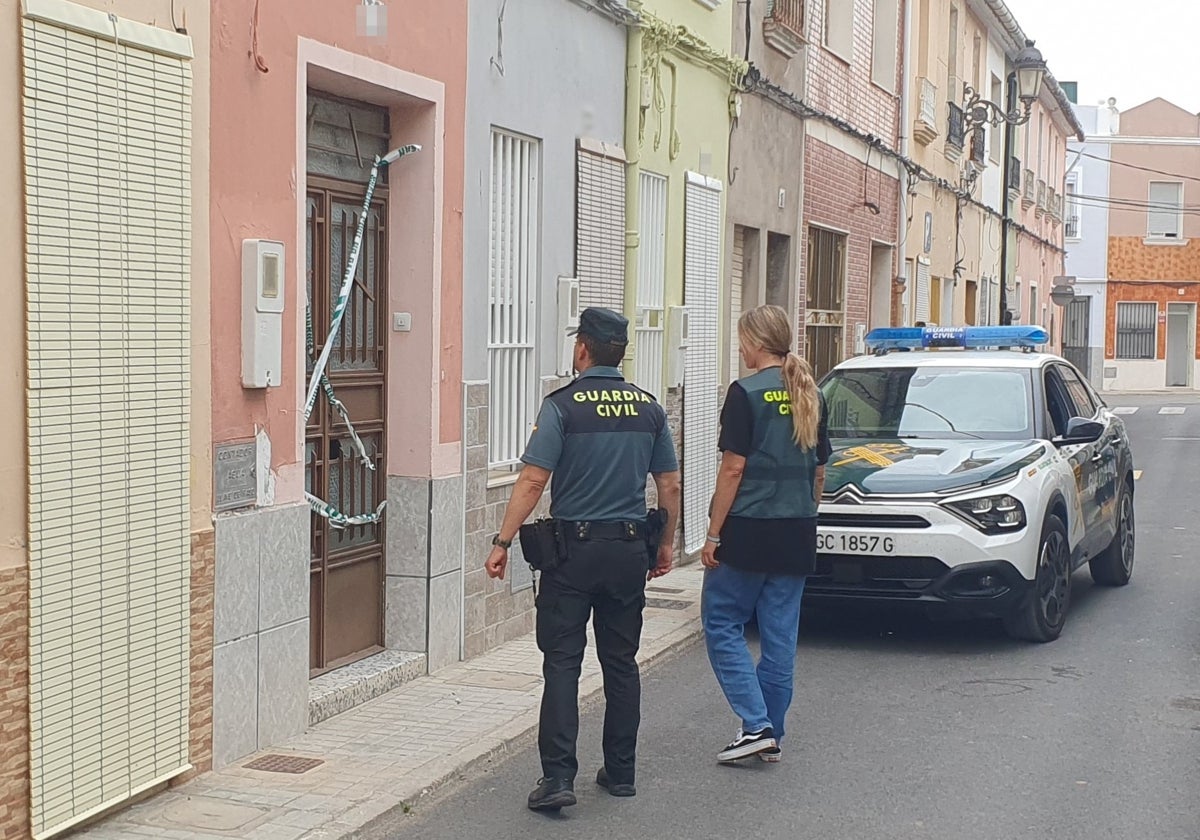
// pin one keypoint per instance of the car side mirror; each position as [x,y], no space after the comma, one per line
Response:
[1080,430]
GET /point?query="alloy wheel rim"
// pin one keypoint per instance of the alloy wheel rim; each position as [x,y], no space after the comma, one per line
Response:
[1127,534]
[1054,580]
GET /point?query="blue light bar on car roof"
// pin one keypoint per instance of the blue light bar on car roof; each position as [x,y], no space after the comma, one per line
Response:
[921,338]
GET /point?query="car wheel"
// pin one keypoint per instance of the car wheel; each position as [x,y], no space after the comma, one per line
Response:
[1114,565]
[1042,613]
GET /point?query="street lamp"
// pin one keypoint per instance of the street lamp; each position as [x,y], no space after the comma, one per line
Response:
[1024,84]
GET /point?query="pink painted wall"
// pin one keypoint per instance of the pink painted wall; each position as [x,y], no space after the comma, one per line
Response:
[257,191]
[1157,118]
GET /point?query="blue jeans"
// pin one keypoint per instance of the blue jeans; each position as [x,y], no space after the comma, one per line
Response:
[760,695]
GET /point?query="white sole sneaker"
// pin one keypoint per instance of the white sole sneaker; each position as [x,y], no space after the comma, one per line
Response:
[771,756]
[744,747]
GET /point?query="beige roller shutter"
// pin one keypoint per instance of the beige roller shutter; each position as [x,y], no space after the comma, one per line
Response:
[736,283]
[107,137]
[600,225]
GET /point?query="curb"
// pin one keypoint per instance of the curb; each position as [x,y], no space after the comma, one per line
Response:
[511,737]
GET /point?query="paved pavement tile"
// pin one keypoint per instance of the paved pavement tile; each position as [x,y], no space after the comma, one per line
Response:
[391,750]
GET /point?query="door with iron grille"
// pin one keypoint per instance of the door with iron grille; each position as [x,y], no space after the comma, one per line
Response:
[1076,319]
[347,564]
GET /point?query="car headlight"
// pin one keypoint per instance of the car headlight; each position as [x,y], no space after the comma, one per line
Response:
[991,514]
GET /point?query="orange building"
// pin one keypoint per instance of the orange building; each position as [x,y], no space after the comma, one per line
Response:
[1153,250]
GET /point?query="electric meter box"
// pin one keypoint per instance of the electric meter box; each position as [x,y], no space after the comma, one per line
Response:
[263,284]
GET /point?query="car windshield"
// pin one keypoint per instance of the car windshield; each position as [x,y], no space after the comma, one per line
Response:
[929,402]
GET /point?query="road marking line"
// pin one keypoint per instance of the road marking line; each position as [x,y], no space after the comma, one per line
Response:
[1137,475]
[1172,409]
[1182,438]
[1125,409]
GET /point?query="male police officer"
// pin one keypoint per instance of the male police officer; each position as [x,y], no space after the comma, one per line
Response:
[599,437]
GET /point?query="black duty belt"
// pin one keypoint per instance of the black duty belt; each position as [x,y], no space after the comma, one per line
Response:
[603,530]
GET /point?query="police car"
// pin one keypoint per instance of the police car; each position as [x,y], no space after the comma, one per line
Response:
[973,474]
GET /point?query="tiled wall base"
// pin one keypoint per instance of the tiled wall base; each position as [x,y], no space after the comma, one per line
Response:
[344,688]
[261,630]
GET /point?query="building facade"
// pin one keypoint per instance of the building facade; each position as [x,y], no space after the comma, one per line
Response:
[680,89]
[764,233]
[852,87]
[106,575]
[1085,232]
[545,215]
[1153,249]
[959,267]
[311,573]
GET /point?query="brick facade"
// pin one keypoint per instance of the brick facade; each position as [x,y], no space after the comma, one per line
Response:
[14,702]
[1160,274]
[200,708]
[834,198]
[844,88]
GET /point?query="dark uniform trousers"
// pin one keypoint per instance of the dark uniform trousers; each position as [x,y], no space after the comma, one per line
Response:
[607,579]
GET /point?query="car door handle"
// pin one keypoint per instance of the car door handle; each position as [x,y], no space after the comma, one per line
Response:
[1098,457]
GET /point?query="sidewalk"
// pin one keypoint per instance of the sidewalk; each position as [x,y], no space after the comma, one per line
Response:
[393,750]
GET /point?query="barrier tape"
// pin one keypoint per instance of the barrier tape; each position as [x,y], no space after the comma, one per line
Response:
[319,378]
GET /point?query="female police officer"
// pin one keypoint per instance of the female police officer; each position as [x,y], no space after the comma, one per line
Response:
[599,437]
[762,536]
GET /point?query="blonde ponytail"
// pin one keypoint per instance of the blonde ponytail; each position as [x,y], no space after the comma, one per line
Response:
[806,404]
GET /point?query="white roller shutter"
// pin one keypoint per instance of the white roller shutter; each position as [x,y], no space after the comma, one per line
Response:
[107,136]
[923,290]
[701,290]
[600,225]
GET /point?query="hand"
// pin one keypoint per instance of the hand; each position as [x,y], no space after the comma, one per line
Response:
[708,555]
[666,556]
[497,562]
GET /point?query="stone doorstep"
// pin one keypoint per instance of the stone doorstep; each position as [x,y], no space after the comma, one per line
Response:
[352,685]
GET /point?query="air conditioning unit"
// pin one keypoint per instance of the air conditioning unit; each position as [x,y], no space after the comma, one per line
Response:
[568,319]
[676,345]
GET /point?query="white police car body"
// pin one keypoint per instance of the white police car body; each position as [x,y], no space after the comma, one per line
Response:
[971,479]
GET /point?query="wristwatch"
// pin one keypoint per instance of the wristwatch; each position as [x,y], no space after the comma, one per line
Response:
[505,544]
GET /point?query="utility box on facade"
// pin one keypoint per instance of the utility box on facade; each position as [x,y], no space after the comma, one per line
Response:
[262,313]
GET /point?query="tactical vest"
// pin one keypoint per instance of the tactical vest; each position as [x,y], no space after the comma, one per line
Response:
[609,429]
[779,477]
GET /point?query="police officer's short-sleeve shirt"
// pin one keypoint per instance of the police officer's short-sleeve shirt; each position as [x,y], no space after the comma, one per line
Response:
[600,437]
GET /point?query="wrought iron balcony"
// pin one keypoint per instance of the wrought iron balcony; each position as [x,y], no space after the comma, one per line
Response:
[956,128]
[783,28]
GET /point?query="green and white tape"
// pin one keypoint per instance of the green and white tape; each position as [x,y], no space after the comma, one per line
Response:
[319,379]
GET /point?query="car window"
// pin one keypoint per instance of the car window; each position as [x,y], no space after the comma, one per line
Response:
[929,402]
[1078,392]
[1058,401]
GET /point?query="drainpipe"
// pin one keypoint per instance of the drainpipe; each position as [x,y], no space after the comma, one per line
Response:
[633,112]
[905,97]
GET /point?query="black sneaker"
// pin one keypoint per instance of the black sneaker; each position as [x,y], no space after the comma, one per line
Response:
[614,789]
[552,794]
[747,744]
[772,756]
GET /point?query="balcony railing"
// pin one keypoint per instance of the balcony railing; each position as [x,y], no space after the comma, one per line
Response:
[1041,197]
[979,146]
[783,27]
[1071,227]
[1027,194]
[956,128]
[1014,174]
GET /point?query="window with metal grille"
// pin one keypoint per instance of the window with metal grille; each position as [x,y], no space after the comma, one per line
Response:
[1166,209]
[1071,214]
[788,13]
[956,133]
[1136,330]
[515,222]
[651,283]
[825,316]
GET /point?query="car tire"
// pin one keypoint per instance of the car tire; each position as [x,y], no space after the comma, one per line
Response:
[1114,565]
[1041,614]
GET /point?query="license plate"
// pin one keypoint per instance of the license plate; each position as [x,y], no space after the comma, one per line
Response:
[842,543]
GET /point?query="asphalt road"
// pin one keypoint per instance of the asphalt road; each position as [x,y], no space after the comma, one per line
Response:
[903,728]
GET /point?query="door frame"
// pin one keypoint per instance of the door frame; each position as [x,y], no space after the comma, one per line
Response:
[1189,310]
[354,193]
